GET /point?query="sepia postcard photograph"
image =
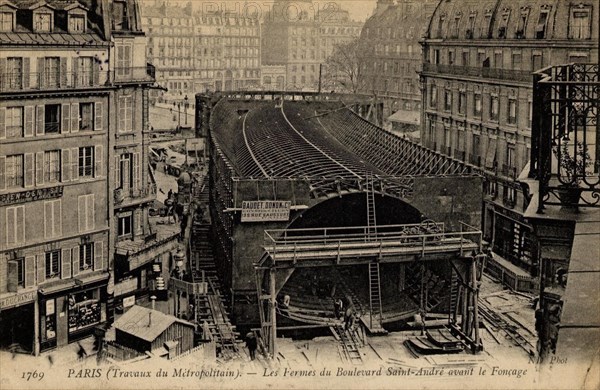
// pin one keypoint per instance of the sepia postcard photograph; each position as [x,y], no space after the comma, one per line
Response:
[299,194]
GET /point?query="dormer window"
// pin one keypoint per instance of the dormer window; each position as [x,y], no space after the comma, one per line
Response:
[42,22]
[579,28]
[76,23]
[522,23]
[540,29]
[6,21]
[503,26]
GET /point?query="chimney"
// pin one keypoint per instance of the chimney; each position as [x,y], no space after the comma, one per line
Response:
[149,319]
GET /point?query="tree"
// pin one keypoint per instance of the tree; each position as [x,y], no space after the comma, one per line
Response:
[344,69]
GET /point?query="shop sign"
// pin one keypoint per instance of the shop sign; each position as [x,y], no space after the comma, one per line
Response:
[265,210]
[126,286]
[17,300]
[129,301]
[31,195]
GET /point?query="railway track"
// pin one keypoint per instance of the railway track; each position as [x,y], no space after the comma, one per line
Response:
[512,331]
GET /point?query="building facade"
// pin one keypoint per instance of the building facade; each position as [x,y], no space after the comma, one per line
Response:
[55,88]
[203,50]
[302,38]
[478,59]
[170,46]
[391,58]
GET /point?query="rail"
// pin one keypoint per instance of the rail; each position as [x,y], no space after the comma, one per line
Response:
[354,242]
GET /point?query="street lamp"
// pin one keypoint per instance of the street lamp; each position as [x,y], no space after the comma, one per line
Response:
[185,107]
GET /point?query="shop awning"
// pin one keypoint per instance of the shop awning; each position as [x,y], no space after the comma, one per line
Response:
[78,281]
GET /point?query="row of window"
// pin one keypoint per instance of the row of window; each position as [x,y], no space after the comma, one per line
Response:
[43,22]
[21,121]
[52,220]
[495,59]
[48,167]
[579,25]
[461,108]
[56,264]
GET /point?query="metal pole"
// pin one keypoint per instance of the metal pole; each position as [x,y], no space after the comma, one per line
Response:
[320,74]
[179,114]
[272,297]
[185,112]
[475,300]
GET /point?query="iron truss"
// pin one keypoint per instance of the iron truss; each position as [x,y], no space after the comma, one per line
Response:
[324,143]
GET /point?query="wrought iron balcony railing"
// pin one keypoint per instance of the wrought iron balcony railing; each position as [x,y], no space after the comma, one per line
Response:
[44,81]
[126,195]
[473,71]
[565,131]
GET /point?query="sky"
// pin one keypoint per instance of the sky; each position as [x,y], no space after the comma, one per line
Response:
[359,9]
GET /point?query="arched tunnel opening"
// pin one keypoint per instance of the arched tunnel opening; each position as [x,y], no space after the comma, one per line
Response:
[308,296]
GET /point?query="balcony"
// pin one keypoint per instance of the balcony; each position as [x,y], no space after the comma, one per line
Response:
[134,74]
[126,197]
[475,160]
[508,171]
[565,152]
[480,72]
[16,82]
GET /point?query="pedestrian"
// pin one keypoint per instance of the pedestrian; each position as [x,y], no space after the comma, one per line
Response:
[170,194]
[349,318]
[252,344]
[338,307]
[81,353]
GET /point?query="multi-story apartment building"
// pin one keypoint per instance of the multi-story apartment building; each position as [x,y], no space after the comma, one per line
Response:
[75,185]
[141,249]
[170,46]
[477,95]
[201,51]
[55,89]
[391,58]
[302,38]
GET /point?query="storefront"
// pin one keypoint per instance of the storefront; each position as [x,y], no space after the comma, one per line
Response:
[68,316]
[17,322]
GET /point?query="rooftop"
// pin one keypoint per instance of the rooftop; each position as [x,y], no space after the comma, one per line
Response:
[146,324]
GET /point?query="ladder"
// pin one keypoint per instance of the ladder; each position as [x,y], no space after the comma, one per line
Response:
[371,213]
[454,296]
[374,296]
[349,345]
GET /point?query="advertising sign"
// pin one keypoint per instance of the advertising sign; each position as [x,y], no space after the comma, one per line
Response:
[265,210]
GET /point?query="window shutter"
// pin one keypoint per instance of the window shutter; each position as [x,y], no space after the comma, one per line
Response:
[48,215]
[39,120]
[65,112]
[2,122]
[29,121]
[74,117]
[29,271]
[66,165]
[137,222]
[98,155]
[98,114]
[116,170]
[136,171]
[20,217]
[57,217]
[81,212]
[41,72]
[2,169]
[66,263]
[39,168]
[98,256]
[10,225]
[74,163]
[26,72]
[75,258]
[41,268]
[29,170]
[63,72]
[90,218]
[75,72]
[12,281]
[96,74]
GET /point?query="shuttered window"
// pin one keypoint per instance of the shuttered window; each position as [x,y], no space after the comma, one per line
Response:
[52,219]
[15,225]
[125,114]
[14,171]
[85,211]
[52,166]
[14,122]
[86,257]
[86,161]
[53,265]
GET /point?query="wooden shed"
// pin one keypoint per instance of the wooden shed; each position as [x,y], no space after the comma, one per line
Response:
[145,329]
